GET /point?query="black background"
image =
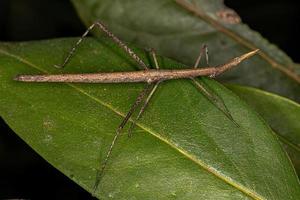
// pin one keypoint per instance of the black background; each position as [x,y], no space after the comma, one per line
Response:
[23,173]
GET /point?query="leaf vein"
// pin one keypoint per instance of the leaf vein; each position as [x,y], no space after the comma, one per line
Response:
[191,157]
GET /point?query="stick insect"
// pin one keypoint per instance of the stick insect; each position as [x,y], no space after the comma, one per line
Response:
[152,78]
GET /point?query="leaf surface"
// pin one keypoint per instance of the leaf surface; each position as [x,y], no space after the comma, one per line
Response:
[183,147]
[280,113]
[178,28]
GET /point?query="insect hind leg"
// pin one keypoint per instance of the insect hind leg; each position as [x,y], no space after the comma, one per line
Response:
[214,99]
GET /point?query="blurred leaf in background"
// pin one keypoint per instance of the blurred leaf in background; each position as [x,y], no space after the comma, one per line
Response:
[178,28]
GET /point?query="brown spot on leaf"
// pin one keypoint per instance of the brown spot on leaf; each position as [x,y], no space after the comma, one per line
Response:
[229,16]
[48,123]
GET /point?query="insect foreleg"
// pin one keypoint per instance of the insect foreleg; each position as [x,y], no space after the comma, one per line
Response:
[113,37]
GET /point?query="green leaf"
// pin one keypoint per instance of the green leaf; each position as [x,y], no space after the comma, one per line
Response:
[280,113]
[178,28]
[183,147]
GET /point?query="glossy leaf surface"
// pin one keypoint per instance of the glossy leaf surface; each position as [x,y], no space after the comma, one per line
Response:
[280,113]
[183,147]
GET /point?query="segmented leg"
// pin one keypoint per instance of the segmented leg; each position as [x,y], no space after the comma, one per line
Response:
[118,132]
[142,109]
[214,99]
[154,59]
[113,37]
[148,98]
[204,49]
[207,92]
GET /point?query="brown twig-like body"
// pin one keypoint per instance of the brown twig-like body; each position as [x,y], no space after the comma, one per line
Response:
[152,77]
[149,76]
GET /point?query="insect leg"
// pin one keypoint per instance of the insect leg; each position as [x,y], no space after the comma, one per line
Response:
[142,109]
[72,51]
[208,93]
[214,99]
[204,49]
[146,102]
[113,37]
[155,59]
[118,132]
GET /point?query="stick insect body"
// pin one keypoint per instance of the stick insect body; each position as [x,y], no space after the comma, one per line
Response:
[153,77]
[149,75]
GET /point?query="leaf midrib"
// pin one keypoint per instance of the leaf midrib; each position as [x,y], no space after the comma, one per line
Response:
[191,157]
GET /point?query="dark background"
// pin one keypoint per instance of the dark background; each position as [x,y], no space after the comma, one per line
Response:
[23,173]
